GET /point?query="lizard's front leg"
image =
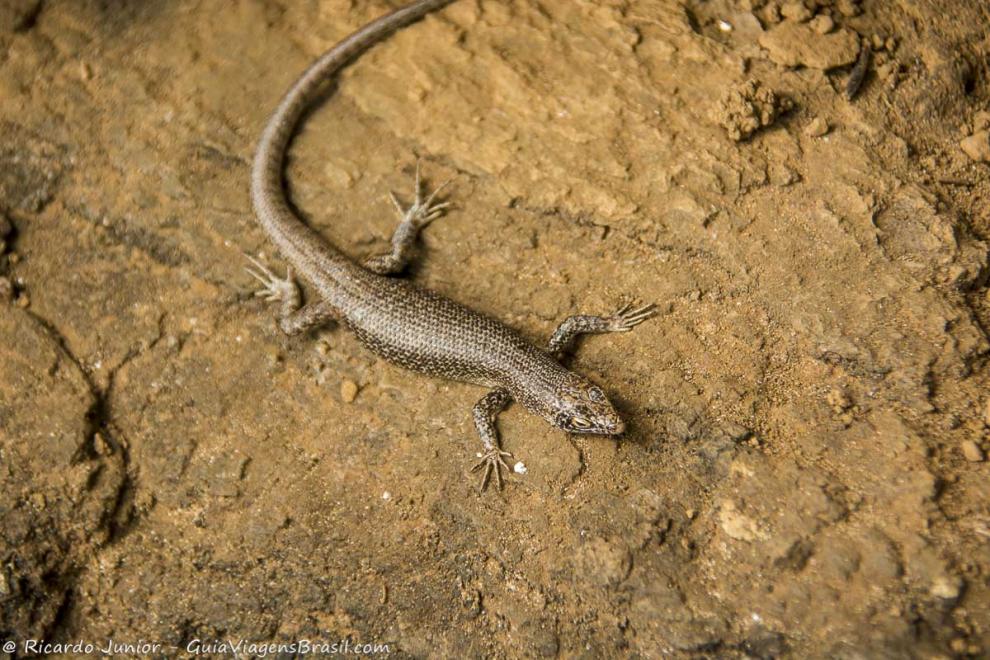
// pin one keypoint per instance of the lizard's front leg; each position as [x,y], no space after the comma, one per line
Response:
[413,220]
[485,412]
[623,320]
[292,317]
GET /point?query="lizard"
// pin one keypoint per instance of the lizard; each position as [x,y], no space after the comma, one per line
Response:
[401,322]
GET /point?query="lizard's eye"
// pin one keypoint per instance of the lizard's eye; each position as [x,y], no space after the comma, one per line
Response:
[596,395]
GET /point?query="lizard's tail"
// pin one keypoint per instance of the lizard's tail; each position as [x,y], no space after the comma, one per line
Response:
[293,238]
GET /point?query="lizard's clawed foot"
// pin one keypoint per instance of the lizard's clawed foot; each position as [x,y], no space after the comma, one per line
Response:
[274,288]
[493,463]
[629,316]
[423,211]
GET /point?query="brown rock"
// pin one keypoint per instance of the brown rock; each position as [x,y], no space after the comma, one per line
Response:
[738,526]
[604,562]
[799,44]
[848,7]
[977,146]
[817,127]
[946,587]
[838,400]
[348,391]
[782,175]
[822,24]
[748,107]
[971,451]
[770,13]
[795,11]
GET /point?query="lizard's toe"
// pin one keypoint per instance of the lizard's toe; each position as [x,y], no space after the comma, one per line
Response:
[493,464]
[629,316]
[273,288]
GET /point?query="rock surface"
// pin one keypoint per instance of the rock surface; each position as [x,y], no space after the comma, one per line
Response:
[803,44]
[793,481]
[749,107]
[977,146]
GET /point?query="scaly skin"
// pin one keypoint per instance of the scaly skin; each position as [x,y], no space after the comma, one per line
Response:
[406,324]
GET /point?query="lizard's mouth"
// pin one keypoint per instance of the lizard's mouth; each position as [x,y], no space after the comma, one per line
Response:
[618,427]
[611,427]
[602,426]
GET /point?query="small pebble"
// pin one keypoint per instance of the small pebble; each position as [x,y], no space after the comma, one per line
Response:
[6,289]
[838,400]
[795,11]
[782,175]
[971,451]
[101,445]
[822,24]
[946,587]
[847,7]
[348,391]
[771,13]
[885,71]
[817,127]
[519,468]
[23,301]
[977,146]
[386,496]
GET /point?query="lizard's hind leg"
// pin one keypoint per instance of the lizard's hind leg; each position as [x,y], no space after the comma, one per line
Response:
[293,318]
[413,219]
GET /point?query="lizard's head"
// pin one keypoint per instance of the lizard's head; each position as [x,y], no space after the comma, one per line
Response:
[581,407]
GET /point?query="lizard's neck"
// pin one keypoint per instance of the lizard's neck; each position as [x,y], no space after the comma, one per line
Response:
[535,381]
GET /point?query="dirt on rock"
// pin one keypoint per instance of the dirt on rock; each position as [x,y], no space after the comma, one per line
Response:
[749,107]
[804,472]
